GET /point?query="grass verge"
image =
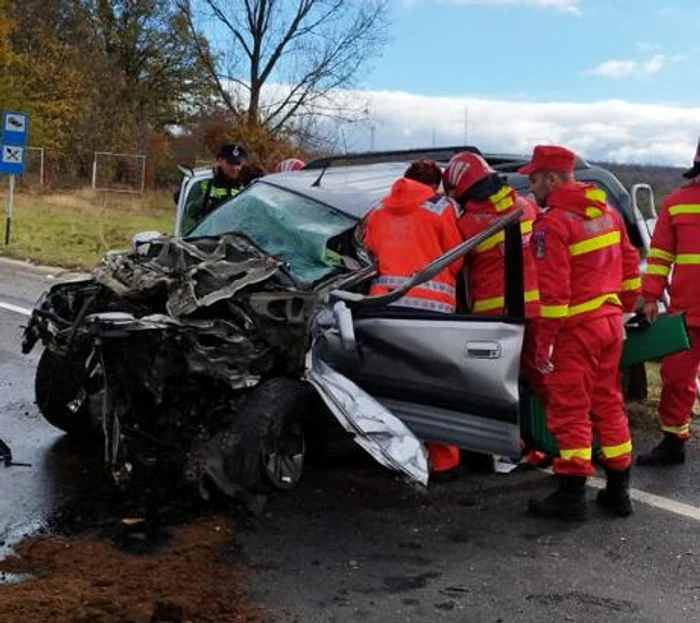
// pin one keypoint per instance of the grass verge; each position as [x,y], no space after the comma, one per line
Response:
[76,229]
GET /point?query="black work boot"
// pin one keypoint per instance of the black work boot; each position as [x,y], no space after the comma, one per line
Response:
[615,498]
[671,451]
[567,503]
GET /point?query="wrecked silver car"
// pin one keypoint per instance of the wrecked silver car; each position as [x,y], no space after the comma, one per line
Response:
[224,354]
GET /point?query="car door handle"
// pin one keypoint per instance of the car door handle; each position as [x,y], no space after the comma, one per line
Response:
[483,350]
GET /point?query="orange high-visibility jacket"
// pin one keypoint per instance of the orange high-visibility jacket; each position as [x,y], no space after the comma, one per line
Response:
[586,265]
[676,243]
[412,227]
[486,264]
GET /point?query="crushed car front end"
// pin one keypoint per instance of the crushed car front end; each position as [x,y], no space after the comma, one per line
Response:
[156,352]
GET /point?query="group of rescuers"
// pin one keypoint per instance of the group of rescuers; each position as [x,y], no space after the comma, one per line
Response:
[580,274]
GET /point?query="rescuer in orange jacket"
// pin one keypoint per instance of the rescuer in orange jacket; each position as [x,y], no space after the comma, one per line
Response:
[676,245]
[587,272]
[485,197]
[412,227]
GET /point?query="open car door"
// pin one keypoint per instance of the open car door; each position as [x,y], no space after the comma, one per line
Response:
[450,378]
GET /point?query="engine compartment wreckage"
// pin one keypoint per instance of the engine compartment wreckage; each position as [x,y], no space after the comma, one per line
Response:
[193,354]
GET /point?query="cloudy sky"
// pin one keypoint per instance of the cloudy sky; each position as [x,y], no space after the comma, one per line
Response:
[614,79]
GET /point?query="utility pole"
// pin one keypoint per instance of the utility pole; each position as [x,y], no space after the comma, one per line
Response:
[466,124]
[371,135]
[433,136]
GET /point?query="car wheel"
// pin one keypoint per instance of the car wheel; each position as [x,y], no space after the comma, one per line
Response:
[57,383]
[274,427]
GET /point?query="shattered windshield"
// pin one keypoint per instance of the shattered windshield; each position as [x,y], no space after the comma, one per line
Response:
[284,224]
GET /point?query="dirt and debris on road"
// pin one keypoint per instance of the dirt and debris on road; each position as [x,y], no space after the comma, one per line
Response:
[183,577]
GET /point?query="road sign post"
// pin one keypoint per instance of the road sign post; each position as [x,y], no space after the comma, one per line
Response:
[15,127]
[9,207]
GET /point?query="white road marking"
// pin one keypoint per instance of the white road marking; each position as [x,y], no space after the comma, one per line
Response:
[657,501]
[16,309]
[650,499]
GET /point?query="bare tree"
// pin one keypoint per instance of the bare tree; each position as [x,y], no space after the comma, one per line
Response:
[296,51]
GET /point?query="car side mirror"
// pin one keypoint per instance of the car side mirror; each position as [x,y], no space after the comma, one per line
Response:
[346,329]
[140,241]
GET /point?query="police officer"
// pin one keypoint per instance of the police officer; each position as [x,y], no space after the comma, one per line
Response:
[224,183]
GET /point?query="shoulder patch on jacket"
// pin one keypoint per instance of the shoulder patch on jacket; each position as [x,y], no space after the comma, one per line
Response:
[538,244]
[439,203]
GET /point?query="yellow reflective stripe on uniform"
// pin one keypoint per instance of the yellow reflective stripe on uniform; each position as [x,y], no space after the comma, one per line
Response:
[596,194]
[490,242]
[594,244]
[688,258]
[497,302]
[684,208]
[594,304]
[554,311]
[565,311]
[631,284]
[660,254]
[577,453]
[613,452]
[502,200]
[592,212]
[488,304]
[677,430]
[653,269]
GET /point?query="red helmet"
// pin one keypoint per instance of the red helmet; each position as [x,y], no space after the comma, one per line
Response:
[463,171]
[290,164]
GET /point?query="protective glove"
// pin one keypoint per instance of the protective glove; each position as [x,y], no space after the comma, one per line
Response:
[544,362]
[651,311]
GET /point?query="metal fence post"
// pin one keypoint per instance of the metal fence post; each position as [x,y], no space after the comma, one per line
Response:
[41,168]
[94,171]
[143,175]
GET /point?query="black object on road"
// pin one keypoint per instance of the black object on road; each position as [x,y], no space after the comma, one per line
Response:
[6,456]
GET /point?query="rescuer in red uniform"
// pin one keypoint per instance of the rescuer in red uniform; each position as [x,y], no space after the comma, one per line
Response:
[587,272]
[676,246]
[485,197]
[289,165]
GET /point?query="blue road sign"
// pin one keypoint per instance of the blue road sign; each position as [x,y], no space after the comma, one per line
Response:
[15,128]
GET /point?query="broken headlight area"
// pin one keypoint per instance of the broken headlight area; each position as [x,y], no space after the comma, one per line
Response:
[167,344]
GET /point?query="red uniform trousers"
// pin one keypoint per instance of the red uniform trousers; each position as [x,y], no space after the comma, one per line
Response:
[583,396]
[679,373]
[442,457]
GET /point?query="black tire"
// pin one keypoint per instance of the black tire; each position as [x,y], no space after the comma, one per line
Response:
[57,383]
[277,424]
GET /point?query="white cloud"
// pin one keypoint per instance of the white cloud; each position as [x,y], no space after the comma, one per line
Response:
[569,6]
[612,130]
[624,69]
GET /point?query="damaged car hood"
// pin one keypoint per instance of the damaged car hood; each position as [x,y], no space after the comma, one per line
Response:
[193,274]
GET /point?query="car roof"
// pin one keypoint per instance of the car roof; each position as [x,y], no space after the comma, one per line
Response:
[353,189]
[354,183]
[356,188]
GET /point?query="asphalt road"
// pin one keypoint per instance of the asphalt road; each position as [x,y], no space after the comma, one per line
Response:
[354,543]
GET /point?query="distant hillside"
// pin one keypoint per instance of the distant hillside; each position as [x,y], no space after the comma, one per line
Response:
[662,179]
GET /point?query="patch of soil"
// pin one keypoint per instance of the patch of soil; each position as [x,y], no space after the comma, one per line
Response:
[183,578]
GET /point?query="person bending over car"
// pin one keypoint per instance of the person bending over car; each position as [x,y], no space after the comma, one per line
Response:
[410,228]
[485,197]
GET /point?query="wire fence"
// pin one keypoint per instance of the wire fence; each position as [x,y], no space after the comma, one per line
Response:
[103,171]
